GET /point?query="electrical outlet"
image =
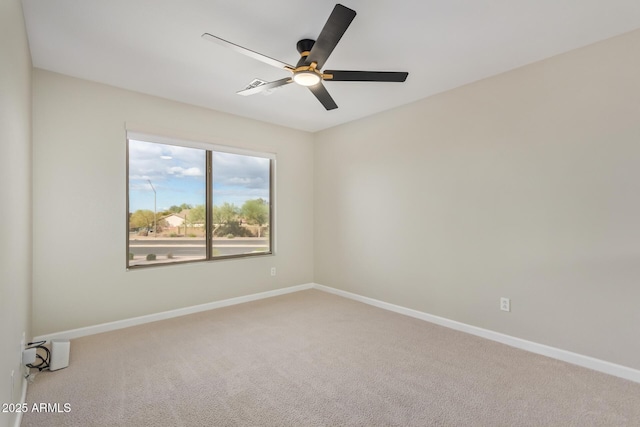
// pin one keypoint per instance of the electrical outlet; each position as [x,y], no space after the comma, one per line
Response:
[273,271]
[505,304]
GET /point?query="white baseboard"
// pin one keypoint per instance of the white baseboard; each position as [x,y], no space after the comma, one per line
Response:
[545,350]
[120,324]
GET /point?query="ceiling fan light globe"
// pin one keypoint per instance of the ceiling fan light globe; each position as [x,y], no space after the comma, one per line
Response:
[306,78]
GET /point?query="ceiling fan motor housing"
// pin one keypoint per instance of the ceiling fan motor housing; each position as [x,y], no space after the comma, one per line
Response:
[304,47]
[305,73]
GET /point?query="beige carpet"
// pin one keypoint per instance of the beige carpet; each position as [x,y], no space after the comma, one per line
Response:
[316,359]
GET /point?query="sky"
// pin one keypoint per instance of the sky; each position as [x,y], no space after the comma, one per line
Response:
[178,176]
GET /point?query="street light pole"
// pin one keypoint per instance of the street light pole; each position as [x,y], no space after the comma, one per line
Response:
[155,215]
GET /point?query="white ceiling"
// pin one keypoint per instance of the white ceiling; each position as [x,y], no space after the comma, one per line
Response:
[154,47]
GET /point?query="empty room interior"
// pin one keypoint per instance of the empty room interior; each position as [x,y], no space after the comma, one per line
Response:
[442,228]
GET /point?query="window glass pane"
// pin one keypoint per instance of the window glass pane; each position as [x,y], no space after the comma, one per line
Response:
[167,197]
[241,198]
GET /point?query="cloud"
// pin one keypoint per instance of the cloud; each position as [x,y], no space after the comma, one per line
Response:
[236,170]
[178,175]
[161,163]
[139,177]
[180,171]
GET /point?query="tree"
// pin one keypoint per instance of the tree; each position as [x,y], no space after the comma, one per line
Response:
[256,212]
[225,213]
[161,225]
[196,215]
[141,218]
[175,209]
[185,206]
[225,219]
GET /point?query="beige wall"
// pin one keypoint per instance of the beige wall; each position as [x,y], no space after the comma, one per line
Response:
[15,196]
[79,207]
[525,185]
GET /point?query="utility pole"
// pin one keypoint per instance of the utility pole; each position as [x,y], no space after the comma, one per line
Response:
[155,215]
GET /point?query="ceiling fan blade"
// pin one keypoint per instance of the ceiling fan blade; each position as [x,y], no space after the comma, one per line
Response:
[265,86]
[366,76]
[323,96]
[336,25]
[247,52]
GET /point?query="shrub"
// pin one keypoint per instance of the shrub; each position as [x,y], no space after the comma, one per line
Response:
[232,227]
[173,234]
[151,257]
[230,236]
[130,256]
[191,235]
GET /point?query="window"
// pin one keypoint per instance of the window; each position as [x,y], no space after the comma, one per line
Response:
[193,202]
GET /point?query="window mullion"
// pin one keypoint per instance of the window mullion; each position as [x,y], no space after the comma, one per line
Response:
[209,205]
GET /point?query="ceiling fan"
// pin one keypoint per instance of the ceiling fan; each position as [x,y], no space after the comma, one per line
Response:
[313,55]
